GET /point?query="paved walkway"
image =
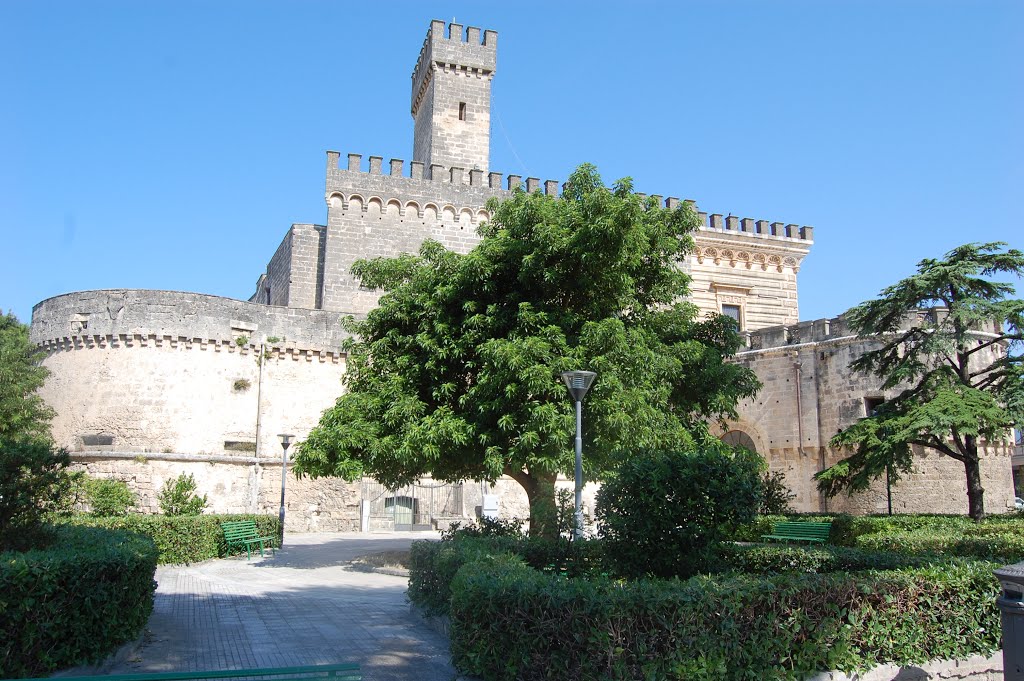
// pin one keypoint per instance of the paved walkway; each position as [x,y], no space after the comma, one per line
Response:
[302,606]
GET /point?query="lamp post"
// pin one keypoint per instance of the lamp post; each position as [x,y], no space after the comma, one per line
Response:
[578,383]
[286,441]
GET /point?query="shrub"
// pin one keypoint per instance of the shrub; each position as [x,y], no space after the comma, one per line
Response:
[484,527]
[664,511]
[74,602]
[775,494]
[781,558]
[178,497]
[182,539]
[511,622]
[433,565]
[34,482]
[109,497]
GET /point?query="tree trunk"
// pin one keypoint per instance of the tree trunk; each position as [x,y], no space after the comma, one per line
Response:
[540,492]
[975,492]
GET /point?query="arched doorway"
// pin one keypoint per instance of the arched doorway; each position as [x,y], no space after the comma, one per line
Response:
[737,438]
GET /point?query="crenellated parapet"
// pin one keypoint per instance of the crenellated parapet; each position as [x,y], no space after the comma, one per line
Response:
[449,47]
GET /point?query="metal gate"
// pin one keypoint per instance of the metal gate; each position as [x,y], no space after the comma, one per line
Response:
[420,506]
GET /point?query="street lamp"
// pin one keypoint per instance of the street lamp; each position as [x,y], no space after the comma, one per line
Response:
[578,383]
[286,441]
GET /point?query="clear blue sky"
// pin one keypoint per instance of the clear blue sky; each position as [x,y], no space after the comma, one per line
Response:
[170,145]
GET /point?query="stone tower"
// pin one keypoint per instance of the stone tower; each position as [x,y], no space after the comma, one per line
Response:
[451,97]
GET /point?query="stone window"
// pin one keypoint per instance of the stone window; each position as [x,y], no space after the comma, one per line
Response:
[735,312]
[462,111]
[871,405]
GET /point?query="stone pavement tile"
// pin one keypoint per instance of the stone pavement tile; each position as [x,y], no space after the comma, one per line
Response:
[300,606]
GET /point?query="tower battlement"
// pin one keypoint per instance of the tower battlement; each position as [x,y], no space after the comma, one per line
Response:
[450,46]
[451,96]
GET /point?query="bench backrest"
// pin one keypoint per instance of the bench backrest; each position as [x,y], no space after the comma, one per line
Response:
[328,672]
[802,530]
[239,529]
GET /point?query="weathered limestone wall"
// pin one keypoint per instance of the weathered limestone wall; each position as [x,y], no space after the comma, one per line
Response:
[810,394]
[735,264]
[239,484]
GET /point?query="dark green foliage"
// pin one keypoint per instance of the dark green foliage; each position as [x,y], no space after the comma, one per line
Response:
[23,414]
[109,497]
[512,622]
[183,539]
[456,373]
[34,483]
[775,495]
[433,564]
[958,388]
[663,512]
[178,497]
[779,558]
[74,602]
[484,527]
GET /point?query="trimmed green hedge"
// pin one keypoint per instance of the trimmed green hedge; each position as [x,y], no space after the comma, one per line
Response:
[183,539]
[433,565]
[73,602]
[780,558]
[997,537]
[509,621]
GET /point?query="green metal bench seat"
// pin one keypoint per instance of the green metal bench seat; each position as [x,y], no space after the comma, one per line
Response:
[244,533]
[333,672]
[800,531]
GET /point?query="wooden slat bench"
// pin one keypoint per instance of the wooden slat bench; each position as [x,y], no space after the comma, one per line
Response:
[333,672]
[800,531]
[244,533]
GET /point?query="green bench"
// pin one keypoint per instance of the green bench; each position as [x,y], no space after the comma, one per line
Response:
[244,533]
[800,531]
[334,672]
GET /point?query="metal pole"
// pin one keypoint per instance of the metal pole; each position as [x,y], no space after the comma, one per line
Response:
[284,470]
[578,530]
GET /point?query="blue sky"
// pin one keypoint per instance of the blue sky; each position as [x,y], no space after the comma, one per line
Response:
[170,145]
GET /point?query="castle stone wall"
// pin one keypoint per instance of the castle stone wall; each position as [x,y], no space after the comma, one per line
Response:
[810,393]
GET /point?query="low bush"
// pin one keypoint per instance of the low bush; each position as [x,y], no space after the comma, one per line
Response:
[182,539]
[73,602]
[663,512]
[512,622]
[109,497]
[781,558]
[34,484]
[990,543]
[433,565]
[178,497]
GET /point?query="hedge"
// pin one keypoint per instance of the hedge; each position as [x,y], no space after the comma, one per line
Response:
[73,602]
[509,621]
[999,537]
[182,539]
[780,558]
[433,565]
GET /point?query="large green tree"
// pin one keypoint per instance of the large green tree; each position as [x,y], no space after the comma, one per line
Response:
[23,413]
[950,340]
[457,373]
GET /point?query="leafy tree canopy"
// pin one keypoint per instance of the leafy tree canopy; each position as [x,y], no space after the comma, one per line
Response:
[950,340]
[457,373]
[23,414]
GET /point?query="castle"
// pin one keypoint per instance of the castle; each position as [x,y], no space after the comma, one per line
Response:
[148,384]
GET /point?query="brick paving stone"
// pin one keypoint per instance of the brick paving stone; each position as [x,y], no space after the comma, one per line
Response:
[301,606]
